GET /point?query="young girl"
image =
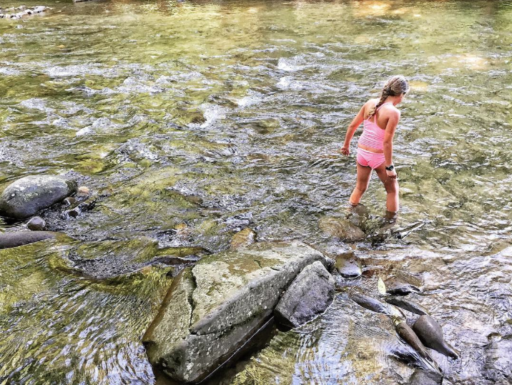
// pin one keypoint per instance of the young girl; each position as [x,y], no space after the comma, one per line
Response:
[375,146]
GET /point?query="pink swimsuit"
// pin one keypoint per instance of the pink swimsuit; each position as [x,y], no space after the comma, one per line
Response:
[373,136]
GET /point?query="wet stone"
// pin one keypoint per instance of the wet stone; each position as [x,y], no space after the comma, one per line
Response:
[341,228]
[243,238]
[36,223]
[498,359]
[233,294]
[348,266]
[26,196]
[397,286]
[424,377]
[69,201]
[309,295]
[431,334]
[8,240]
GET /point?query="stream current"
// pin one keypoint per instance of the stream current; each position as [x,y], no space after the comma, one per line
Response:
[194,120]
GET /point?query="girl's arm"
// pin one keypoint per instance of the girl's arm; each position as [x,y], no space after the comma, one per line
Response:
[352,127]
[388,141]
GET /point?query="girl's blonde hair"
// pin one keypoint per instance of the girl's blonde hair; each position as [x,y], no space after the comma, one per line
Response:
[395,86]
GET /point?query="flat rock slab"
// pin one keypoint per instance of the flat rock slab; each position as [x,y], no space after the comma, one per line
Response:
[26,196]
[216,306]
[309,295]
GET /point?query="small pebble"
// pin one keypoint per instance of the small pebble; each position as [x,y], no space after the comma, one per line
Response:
[36,224]
[69,201]
[83,190]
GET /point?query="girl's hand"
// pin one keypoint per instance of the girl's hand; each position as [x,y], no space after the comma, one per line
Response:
[391,174]
[345,150]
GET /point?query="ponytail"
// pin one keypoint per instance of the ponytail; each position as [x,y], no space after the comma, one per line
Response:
[395,86]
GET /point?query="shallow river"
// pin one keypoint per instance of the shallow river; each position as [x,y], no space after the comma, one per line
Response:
[194,120]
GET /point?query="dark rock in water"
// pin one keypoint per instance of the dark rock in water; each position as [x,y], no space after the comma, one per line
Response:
[26,196]
[309,295]
[424,377]
[398,287]
[348,266]
[73,213]
[431,334]
[407,305]
[8,240]
[412,339]
[341,228]
[370,303]
[213,308]
[36,224]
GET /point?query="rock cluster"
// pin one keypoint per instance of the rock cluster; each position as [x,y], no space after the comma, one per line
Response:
[215,307]
[19,12]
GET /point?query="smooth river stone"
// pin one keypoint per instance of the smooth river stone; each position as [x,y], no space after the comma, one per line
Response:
[26,196]
[9,240]
[216,306]
[36,224]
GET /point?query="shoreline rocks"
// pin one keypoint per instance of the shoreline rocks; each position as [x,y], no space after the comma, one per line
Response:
[26,196]
[213,308]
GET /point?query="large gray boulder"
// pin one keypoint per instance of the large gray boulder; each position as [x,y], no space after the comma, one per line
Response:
[26,196]
[213,308]
[309,295]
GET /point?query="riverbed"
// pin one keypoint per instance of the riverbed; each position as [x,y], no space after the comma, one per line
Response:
[193,120]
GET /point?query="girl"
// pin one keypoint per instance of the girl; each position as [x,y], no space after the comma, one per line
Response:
[375,146]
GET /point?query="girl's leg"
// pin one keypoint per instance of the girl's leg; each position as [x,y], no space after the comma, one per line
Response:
[391,186]
[363,178]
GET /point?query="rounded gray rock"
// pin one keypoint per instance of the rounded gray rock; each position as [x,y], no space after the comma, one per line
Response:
[309,295]
[36,223]
[26,196]
[431,334]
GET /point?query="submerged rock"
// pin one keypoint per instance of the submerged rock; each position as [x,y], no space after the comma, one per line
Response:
[216,306]
[348,266]
[407,305]
[431,334]
[424,377]
[36,224]
[498,359]
[8,240]
[309,295]
[26,196]
[399,287]
[341,228]
[412,339]
[243,238]
[370,303]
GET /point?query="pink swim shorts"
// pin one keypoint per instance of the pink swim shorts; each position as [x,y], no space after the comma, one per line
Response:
[369,159]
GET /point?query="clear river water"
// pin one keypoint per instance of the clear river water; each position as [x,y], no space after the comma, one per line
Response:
[193,120]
